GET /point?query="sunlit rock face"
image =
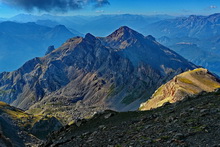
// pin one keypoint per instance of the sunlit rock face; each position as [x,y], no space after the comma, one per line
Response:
[181,86]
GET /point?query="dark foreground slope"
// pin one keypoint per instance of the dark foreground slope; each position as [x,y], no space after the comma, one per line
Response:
[191,122]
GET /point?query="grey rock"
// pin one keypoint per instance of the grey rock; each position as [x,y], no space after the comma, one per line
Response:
[50,49]
[179,136]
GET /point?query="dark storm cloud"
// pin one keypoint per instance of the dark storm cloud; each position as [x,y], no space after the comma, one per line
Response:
[101,3]
[54,5]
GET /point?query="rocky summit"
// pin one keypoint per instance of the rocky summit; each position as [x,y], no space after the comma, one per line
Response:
[91,74]
[181,86]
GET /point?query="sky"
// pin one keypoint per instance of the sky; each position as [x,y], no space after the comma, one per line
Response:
[9,8]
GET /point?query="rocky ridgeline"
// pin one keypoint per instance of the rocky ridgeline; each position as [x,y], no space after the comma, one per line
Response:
[181,86]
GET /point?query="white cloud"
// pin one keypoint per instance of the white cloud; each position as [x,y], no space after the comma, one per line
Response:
[213,7]
[210,8]
[100,11]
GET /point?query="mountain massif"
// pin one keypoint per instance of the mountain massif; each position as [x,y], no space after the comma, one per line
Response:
[69,96]
[100,25]
[90,74]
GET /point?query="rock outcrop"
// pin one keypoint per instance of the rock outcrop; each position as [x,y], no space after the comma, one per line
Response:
[50,49]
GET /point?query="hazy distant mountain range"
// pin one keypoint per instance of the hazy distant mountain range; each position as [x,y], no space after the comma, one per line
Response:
[194,26]
[194,37]
[20,42]
[100,25]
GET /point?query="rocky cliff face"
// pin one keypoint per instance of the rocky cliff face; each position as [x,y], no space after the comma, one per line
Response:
[89,74]
[181,86]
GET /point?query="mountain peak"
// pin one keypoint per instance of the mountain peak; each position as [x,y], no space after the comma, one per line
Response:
[50,49]
[193,16]
[124,33]
[150,37]
[60,27]
[125,28]
[90,37]
[123,38]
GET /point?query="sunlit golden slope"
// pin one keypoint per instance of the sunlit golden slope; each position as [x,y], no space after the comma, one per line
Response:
[187,83]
